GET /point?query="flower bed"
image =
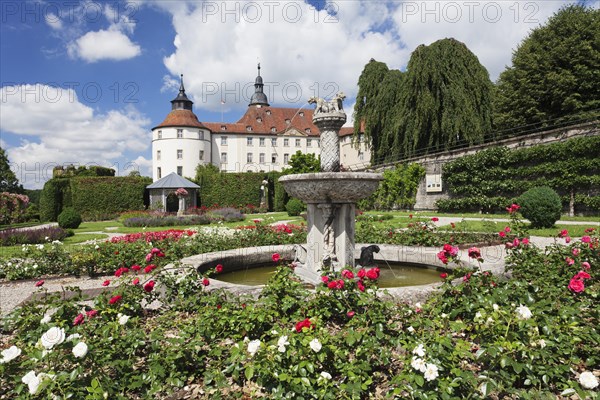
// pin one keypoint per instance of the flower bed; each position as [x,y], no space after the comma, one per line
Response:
[11,237]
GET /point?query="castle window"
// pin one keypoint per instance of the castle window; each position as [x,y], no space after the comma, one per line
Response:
[309,142]
[158,155]
[200,135]
[301,113]
[201,155]
[179,133]
[223,128]
[249,141]
[307,130]
[286,142]
[179,170]
[223,158]
[273,142]
[259,119]
[286,158]
[273,158]
[261,142]
[158,173]
[261,158]
[223,140]
[361,155]
[287,121]
[160,134]
[297,142]
[249,157]
[268,112]
[179,154]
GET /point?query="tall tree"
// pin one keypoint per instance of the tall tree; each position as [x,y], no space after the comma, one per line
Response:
[8,180]
[555,72]
[441,101]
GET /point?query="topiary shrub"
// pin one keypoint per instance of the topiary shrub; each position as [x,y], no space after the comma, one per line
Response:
[69,219]
[294,207]
[540,205]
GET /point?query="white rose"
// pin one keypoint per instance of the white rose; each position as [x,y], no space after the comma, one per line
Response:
[325,375]
[523,312]
[410,329]
[281,343]
[495,306]
[80,350]
[32,381]
[10,354]
[73,337]
[46,319]
[52,337]
[542,343]
[419,350]
[588,380]
[123,319]
[253,346]
[315,345]
[418,364]
[431,372]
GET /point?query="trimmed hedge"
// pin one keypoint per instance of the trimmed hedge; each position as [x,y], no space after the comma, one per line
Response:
[540,205]
[54,197]
[489,180]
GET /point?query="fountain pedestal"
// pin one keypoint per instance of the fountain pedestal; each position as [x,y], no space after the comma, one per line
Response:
[330,197]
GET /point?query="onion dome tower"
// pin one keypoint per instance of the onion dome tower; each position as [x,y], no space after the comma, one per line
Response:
[181,141]
[259,98]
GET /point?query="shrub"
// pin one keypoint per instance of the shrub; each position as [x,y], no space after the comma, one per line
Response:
[294,207]
[69,218]
[540,205]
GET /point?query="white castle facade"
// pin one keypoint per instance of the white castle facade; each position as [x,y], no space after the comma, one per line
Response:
[263,139]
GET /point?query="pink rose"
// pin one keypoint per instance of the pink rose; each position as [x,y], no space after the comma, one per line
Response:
[586,239]
[350,314]
[576,285]
[78,320]
[347,274]
[276,257]
[516,242]
[507,229]
[568,239]
[361,273]
[360,286]
[474,252]
[586,265]
[569,261]
[502,234]
[575,252]
[582,275]
[324,279]
[525,241]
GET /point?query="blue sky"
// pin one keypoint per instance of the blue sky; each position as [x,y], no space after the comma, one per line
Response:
[83,82]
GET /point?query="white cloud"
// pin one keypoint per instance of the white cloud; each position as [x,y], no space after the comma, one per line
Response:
[303,52]
[104,45]
[58,129]
[53,21]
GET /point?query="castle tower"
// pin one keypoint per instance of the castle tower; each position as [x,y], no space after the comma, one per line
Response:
[181,141]
[259,98]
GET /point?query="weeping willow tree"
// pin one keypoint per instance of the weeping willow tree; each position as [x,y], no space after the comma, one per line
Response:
[443,100]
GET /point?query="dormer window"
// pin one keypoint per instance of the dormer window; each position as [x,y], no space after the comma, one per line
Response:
[287,121]
[301,113]
[307,130]
[259,119]
[268,112]
[249,128]
[273,129]
[223,128]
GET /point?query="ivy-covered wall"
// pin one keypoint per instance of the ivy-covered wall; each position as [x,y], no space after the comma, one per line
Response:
[492,178]
[54,197]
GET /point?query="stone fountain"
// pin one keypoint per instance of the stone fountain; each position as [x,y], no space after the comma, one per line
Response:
[331,198]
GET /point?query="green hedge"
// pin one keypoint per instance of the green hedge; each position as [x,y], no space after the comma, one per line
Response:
[484,180]
[54,197]
[100,197]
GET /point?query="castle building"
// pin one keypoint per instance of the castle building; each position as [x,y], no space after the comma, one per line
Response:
[263,139]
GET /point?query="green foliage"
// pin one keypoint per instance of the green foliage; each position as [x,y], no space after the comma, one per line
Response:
[294,207]
[442,101]
[555,72]
[55,195]
[397,190]
[69,219]
[301,163]
[8,180]
[490,179]
[98,198]
[540,205]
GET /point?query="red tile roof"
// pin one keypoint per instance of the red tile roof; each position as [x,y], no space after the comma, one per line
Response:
[181,118]
[262,121]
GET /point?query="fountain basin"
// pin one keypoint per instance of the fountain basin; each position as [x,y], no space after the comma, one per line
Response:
[331,187]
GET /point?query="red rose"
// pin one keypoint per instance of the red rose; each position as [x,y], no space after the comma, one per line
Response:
[467,277]
[115,299]
[324,279]
[582,275]
[474,252]
[106,283]
[435,219]
[135,281]
[507,229]
[116,253]
[361,273]
[276,257]
[136,267]
[219,268]
[502,234]
[347,274]
[350,314]
[453,225]
[576,285]
[442,256]
[149,286]
[39,283]
[205,282]
[360,286]
[78,320]
[373,273]
[332,285]
[149,268]
[586,239]
[303,324]
[563,233]
[340,284]
[443,275]
[410,216]
[91,313]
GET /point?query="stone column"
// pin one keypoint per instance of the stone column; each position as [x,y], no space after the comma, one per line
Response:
[329,125]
